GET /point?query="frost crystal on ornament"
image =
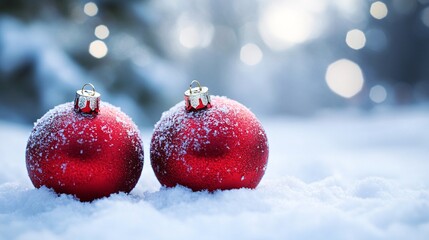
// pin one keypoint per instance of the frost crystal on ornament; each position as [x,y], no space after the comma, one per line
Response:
[205,99]
[195,102]
[82,102]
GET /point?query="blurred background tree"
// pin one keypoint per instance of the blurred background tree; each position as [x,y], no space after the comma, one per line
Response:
[276,56]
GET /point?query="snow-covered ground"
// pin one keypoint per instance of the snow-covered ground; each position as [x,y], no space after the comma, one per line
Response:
[335,176]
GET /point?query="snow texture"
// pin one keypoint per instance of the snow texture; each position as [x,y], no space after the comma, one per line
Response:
[335,176]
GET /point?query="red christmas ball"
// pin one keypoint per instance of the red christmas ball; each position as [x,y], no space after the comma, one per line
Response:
[214,144]
[88,155]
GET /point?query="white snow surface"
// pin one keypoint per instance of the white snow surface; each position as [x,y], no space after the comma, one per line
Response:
[334,176]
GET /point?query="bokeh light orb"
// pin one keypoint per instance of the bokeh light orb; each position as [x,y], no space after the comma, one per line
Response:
[355,39]
[378,10]
[98,49]
[251,54]
[282,25]
[101,31]
[344,78]
[90,9]
[378,94]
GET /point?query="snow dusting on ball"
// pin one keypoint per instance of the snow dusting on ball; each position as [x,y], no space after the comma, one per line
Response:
[221,147]
[89,156]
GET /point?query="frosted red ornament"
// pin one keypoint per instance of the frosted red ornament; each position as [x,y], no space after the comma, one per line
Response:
[214,143]
[88,148]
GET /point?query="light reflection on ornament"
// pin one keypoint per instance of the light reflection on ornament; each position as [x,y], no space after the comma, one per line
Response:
[251,54]
[355,39]
[344,78]
[90,9]
[98,49]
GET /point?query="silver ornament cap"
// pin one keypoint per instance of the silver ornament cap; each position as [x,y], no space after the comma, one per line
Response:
[197,98]
[87,101]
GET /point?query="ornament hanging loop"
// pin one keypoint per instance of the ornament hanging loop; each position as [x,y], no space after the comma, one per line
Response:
[87,101]
[197,98]
[198,83]
[92,92]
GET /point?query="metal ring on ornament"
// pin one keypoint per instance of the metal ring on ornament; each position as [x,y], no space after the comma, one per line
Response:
[92,92]
[190,86]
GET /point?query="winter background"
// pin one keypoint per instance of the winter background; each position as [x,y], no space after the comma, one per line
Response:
[341,88]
